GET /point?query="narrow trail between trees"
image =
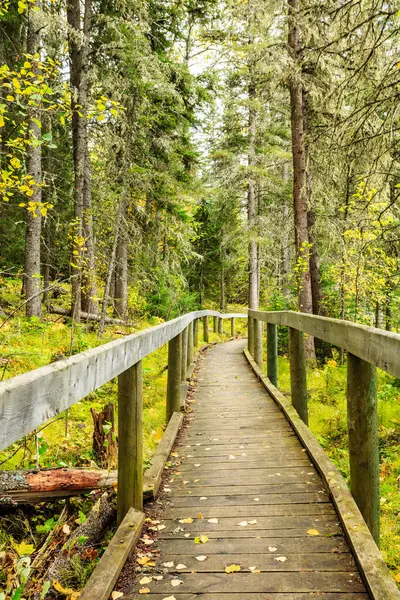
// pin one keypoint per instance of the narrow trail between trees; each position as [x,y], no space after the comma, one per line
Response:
[244,493]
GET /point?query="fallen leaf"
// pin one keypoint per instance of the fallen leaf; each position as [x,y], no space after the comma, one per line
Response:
[169,598]
[231,457]
[313,532]
[143,560]
[203,498]
[272,549]
[252,568]
[116,595]
[232,569]
[66,529]
[176,582]
[213,521]
[201,558]
[158,577]
[181,566]
[242,524]
[198,465]
[280,558]
[161,527]
[201,539]
[199,515]
[256,499]
[253,522]
[168,564]
[187,520]
[145,590]
[145,580]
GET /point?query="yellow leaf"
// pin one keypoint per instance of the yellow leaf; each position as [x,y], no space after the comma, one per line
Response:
[202,539]
[188,520]
[116,595]
[232,569]
[143,560]
[145,590]
[312,532]
[23,549]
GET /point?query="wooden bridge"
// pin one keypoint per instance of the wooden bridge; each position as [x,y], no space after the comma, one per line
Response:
[251,507]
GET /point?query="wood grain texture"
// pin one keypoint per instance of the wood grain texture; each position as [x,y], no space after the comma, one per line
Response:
[376,346]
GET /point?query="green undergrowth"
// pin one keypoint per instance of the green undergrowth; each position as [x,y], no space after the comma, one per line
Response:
[328,422]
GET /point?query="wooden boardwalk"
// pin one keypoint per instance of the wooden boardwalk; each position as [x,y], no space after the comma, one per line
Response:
[242,479]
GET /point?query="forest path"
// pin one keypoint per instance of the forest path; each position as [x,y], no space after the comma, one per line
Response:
[263,504]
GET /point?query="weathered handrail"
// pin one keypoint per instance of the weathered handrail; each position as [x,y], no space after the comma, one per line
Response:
[367,349]
[31,399]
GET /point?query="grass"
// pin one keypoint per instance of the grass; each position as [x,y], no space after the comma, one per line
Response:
[328,422]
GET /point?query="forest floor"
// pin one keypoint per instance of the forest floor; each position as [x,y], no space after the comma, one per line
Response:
[328,422]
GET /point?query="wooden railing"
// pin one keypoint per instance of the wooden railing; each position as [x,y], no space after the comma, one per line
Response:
[367,348]
[30,399]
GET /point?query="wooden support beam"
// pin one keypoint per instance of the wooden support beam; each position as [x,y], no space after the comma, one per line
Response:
[272,353]
[130,441]
[174,376]
[258,345]
[206,336]
[184,354]
[233,333]
[298,375]
[215,324]
[196,333]
[250,335]
[190,351]
[220,326]
[362,422]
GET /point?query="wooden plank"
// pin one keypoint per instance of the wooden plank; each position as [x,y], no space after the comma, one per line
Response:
[30,399]
[334,530]
[253,489]
[378,347]
[130,441]
[103,578]
[153,475]
[266,563]
[284,546]
[248,500]
[258,596]
[254,510]
[209,467]
[264,582]
[379,581]
[303,522]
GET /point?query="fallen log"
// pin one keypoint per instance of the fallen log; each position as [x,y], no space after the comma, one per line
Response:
[85,537]
[58,310]
[37,486]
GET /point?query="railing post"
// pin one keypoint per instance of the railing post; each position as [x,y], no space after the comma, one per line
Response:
[196,333]
[190,352]
[215,325]
[298,375]
[220,326]
[258,349]
[250,335]
[130,441]
[272,353]
[233,333]
[184,353]
[206,337]
[362,424]
[174,376]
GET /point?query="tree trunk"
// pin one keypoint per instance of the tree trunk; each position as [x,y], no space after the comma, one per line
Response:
[285,240]
[83,247]
[34,167]
[299,172]
[251,206]
[121,276]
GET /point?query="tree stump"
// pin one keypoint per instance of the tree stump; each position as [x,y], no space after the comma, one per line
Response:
[104,439]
